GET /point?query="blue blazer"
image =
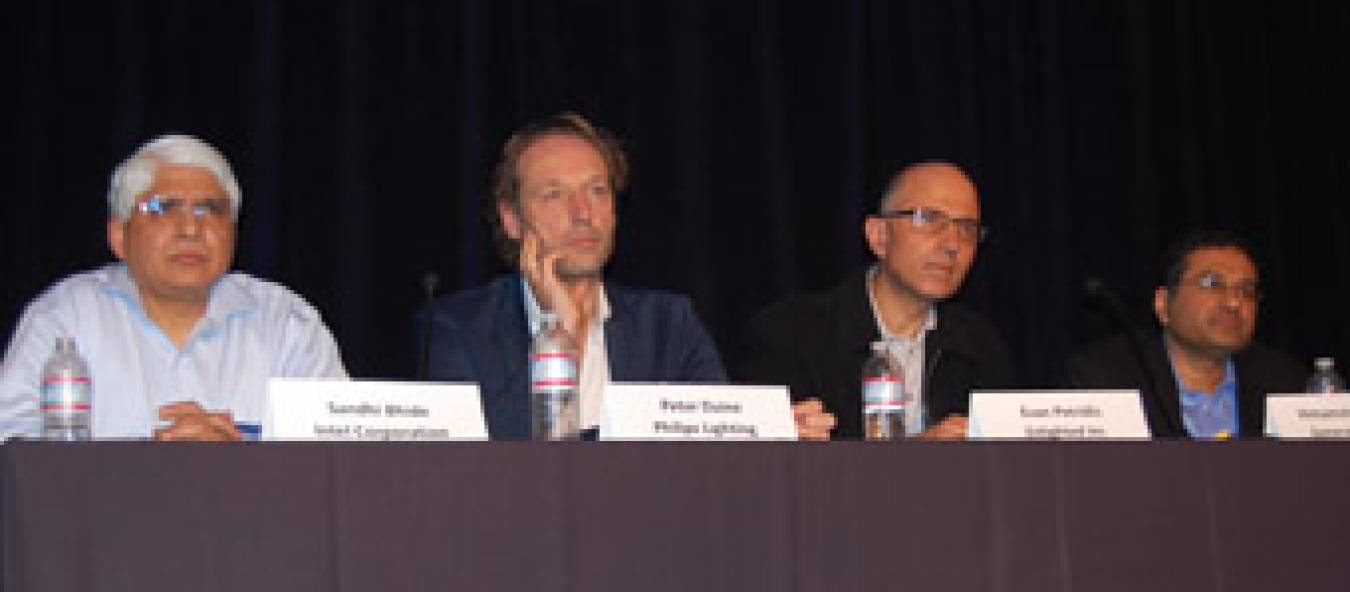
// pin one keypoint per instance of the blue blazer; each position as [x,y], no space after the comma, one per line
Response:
[481,335]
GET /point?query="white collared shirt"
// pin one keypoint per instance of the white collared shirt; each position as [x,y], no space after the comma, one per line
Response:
[908,353]
[594,371]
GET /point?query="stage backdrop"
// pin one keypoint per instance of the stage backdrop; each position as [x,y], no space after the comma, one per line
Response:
[760,132]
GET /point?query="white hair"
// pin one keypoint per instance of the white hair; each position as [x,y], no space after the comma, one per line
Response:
[136,174]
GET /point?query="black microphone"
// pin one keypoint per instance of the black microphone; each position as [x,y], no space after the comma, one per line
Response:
[429,282]
[1106,300]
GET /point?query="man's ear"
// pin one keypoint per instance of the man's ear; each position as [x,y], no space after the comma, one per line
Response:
[878,235]
[115,237]
[510,217]
[1160,308]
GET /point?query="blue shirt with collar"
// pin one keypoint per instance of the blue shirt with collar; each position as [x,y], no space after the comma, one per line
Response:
[1210,415]
[253,330]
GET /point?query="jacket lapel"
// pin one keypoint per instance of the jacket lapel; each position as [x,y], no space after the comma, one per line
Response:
[510,333]
[619,338]
[855,331]
[1168,395]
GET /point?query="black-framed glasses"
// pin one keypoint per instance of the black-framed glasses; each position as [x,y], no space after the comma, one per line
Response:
[161,207]
[937,221]
[1217,285]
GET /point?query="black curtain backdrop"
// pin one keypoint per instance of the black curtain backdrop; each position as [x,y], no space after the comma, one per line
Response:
[759,131]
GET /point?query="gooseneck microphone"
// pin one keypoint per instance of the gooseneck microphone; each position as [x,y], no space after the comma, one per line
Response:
[429,283]
[1105,299]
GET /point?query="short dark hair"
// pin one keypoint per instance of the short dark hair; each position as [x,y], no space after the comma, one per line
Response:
[506,182]
[1177,255]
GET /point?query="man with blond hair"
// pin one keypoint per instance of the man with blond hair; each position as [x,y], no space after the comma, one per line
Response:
[554,216]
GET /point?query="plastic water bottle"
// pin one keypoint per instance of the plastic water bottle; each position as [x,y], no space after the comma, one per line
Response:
[1324,379]
[883,391]
[553,383]
[67,394]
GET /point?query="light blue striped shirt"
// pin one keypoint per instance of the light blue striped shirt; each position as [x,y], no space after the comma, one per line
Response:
[253,330]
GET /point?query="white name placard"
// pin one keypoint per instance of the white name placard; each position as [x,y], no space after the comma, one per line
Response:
[372,411]
[642,411]
[1057,415]
[1305,416]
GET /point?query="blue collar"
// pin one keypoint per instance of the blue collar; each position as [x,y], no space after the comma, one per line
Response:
[1209,415]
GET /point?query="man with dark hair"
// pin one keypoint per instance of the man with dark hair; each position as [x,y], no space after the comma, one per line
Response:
[924,234]
[553,213]
[1201,376]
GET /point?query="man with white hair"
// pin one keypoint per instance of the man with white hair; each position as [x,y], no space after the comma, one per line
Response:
[178,348]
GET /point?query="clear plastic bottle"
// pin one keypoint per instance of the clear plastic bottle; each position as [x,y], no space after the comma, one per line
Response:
[553,383]
[67,394]
[883,392]
[1325,380]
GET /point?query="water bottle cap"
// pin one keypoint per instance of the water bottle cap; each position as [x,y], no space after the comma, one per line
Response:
[878,346]
[65,344]
[1324,363]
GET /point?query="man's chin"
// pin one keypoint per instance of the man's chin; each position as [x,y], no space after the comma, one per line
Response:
[573,274]
[581,267]
[937,293]
[1232,344]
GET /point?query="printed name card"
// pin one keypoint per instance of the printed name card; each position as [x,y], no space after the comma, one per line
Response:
[641,411]
[1304,416]
[1057,415]
[356,410]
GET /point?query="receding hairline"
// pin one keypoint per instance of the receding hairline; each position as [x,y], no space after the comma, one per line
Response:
[907,180]
[534,143]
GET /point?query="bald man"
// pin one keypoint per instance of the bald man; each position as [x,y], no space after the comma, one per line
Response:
[924,234]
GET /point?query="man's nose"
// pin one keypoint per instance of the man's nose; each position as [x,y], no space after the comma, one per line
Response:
[1233,298]
[950,240]
[579,205]
[186,222]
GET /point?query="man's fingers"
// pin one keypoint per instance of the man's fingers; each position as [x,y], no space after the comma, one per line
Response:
[191,430]
[188,421]
[178,409]
[953,427]
[529,253]
[199,429]
[224,423]
[811,405]
[813,423]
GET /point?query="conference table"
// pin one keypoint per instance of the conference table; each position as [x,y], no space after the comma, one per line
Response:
[638,516]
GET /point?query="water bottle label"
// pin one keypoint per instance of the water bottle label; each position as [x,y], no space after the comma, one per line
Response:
[883,393]
[553,372]
[65,393]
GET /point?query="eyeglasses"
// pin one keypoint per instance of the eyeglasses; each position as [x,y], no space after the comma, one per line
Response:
[936,221]
[160,207]
[1215,284]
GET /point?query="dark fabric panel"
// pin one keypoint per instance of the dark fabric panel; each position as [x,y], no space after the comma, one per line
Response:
[1120,502]
[660,516]
[759,133]
[1276,505]
[878,515]
[138,516]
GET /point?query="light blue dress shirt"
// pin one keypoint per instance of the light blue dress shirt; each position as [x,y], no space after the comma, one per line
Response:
[253,330]
[1210,415]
